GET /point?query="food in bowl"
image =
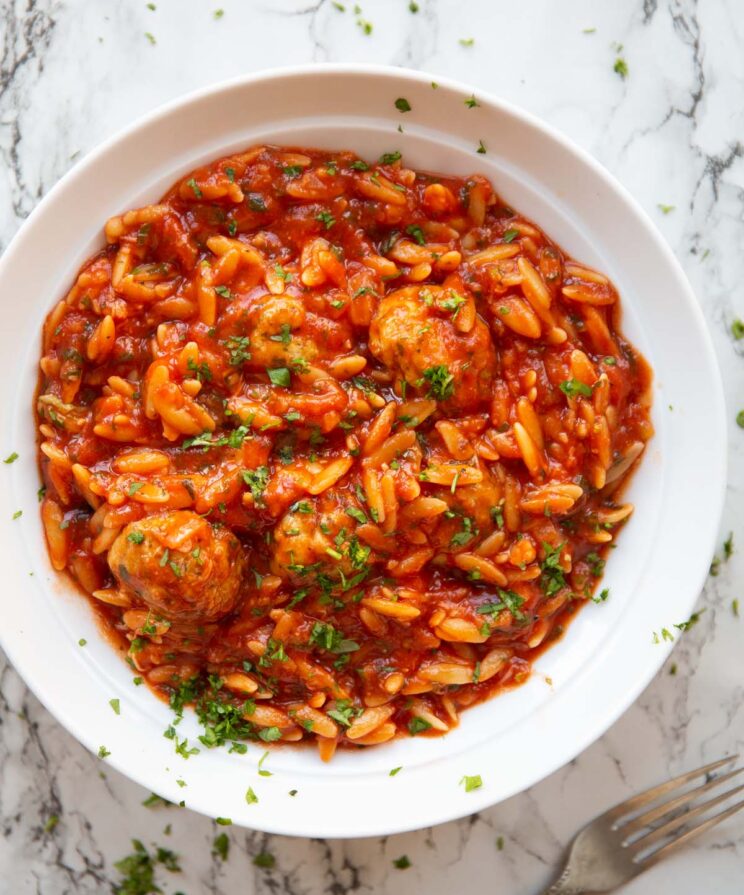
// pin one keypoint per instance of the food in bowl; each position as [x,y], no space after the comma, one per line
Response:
[334,447]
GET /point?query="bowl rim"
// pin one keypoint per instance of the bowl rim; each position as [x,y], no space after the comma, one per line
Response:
[605,716]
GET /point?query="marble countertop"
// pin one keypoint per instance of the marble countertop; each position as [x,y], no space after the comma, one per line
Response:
[75,71]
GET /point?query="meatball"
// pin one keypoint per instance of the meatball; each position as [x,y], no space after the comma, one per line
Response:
[283,332]
[413,332]
[471,511]
[180,565]
[315,539]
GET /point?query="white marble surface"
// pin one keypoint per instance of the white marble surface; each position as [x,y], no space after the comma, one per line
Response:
[75,71]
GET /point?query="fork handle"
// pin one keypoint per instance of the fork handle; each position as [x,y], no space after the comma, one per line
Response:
[564,886]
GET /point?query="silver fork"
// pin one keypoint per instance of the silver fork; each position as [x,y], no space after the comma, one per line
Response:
[621,843]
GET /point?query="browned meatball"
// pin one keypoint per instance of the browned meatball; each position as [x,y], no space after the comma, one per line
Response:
[180,565]
[413,332]
[316,537]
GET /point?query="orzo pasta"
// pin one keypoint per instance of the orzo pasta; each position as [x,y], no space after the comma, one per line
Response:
[335,448]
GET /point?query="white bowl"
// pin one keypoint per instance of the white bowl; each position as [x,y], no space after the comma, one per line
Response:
[607,656]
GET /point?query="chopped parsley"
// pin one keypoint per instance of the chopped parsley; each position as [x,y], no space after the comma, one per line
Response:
[137,870]
[737,331]
[417,233]
[265,860]
[327,637]
[238,348]
[256,480]
[280,376]
[270,734]
[326,218]
[418,725]
[402,104]
[441,382]
[728,546]
[666,209]
[115,705]
[573,388]
[103,752]
[621,67]
[194,188]
[471,783]
[390,158]
[251,796]
[221,846]
[402,863]
[510,235]
[136,537]
[691,621]
[357,514]
[508,599]
[481,150]
[552,578]
[11,458]
[395,771]
[223,821]
[472,102]
[344,712]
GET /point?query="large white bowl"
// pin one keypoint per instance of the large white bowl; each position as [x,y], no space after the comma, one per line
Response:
[584,682]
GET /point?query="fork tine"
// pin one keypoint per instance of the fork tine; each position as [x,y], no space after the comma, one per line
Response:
[676,822]
[643,798]
[643,820]
[662,852]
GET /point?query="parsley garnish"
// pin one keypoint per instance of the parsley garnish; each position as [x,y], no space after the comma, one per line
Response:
[256,480]
[402,863]
[441,382]
[389,158]
[280,376]
[11,458]
[553,578]
[573,388]
[417,725]
[402,104]
[621,67]
[270,734]
[326,218]
[221,846]
[417,233]
[471,783]
[194,188]
[481,150]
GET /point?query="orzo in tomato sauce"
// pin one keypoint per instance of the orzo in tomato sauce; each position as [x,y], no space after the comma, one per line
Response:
[335,447]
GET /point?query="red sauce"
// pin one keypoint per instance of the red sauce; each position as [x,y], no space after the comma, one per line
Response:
[334,446]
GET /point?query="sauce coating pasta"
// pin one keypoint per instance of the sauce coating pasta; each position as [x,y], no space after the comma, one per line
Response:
[334,447]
